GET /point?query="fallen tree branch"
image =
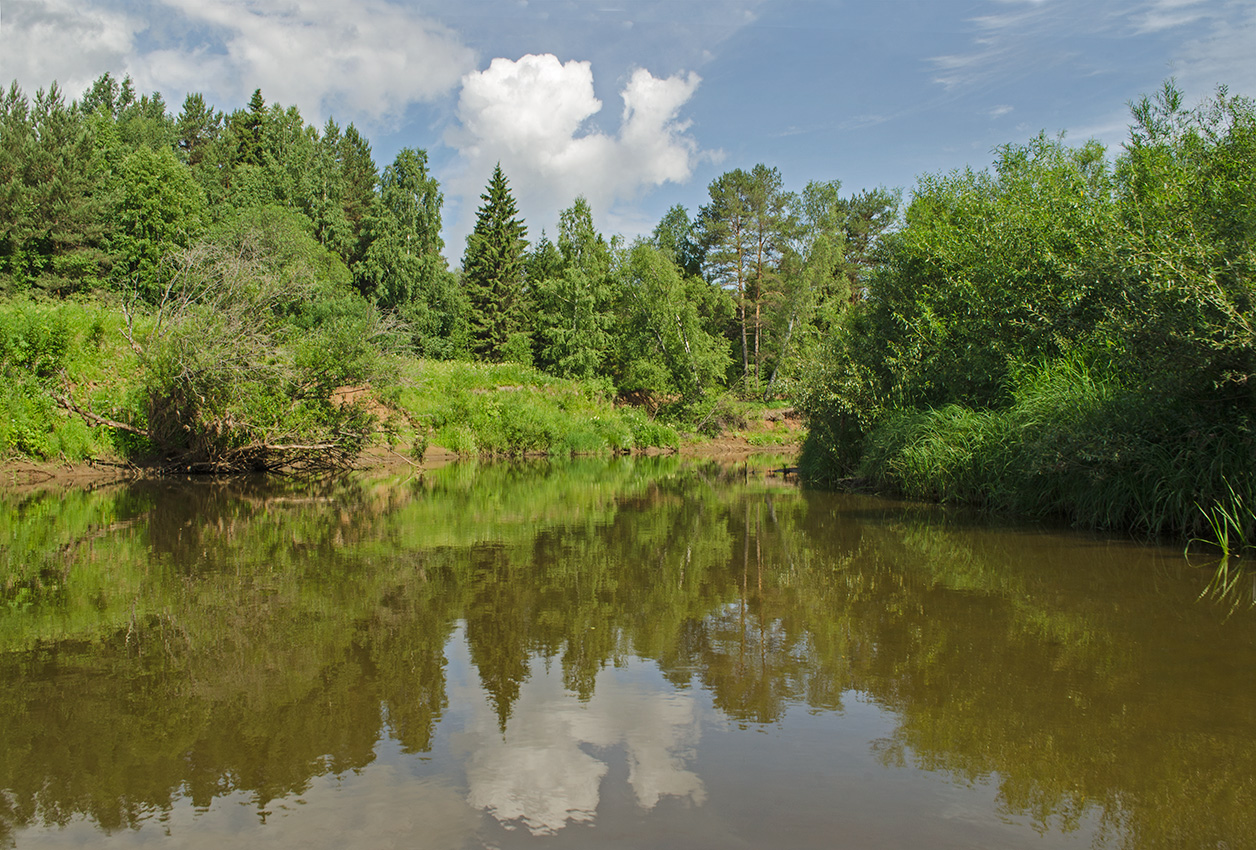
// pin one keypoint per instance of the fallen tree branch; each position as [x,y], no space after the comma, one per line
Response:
[97,419]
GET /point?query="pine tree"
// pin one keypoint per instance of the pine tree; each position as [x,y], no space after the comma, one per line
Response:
[197,126]
[493,270]
[746,231]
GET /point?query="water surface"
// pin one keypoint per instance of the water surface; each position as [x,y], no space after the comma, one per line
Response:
[628,653]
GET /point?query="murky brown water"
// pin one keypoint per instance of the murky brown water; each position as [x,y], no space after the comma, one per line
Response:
[605,654]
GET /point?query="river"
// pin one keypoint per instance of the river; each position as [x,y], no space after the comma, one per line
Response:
[648,652]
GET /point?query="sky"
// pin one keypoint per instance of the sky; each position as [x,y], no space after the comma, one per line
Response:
[639,104]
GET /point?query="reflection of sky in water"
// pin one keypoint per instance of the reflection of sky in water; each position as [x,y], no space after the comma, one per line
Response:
[628,760]
[380,806]
[545,771]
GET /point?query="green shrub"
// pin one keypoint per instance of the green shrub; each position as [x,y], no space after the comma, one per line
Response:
[649,433]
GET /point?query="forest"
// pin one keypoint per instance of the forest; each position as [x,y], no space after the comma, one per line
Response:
[1068,333]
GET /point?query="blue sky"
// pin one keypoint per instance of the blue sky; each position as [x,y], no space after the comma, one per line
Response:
[639,104]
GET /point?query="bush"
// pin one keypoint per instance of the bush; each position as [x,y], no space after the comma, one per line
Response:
[250,342]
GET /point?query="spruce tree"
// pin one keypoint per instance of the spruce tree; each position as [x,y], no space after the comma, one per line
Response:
[493,270]
[361,180]
[248,129]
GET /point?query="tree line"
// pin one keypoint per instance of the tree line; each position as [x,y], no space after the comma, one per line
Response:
[111,191]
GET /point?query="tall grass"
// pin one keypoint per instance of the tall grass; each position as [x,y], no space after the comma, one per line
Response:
[510,409]
[1076,444]
[65,348]
[1231,524]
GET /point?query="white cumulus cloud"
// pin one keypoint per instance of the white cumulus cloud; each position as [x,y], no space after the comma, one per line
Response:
[532,115]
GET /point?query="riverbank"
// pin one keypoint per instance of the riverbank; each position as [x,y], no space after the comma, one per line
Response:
[775,432]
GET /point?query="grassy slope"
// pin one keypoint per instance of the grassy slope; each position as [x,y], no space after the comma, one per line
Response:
[508,409]
[80,350]
[77,350]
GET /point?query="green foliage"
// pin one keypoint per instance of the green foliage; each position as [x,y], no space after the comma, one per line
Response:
[51,193]
[197,127]
[518,349]
[676,236]
[44,345]
[255,333]
[665,351]
[402,268]
[1058,337]
[247,124]
[648,432]
[572,301]
[404,253]
[323,194]
[992,270]
[512,409]
[1076,443]
[1187,250]
[360,183]
[157,210]
[746,233]
[492,269]
[838,238]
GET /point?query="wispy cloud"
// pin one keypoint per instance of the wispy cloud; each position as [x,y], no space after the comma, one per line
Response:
[1218,54]
[63,41]
[1018,36]
[1169,14]
[1222,55]
[1005,39]
[858,122]
[369,58]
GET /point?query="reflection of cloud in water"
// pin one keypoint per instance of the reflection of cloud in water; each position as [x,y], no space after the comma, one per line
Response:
[541,785]
[538,775]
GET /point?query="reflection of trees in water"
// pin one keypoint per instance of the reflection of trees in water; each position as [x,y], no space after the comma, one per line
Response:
[235,637]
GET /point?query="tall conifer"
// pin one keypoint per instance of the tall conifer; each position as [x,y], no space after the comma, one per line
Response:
[493,269]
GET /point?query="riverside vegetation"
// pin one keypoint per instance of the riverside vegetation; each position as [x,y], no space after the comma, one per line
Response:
[1065,335]
[1068,334]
